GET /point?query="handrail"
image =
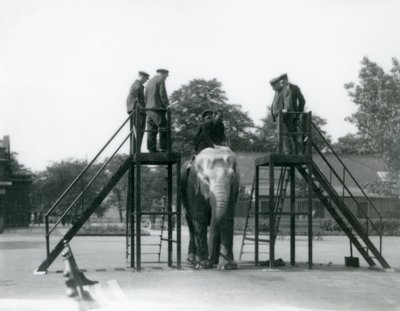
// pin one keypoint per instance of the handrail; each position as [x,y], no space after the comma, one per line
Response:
[133,117]
[368,219]
[89,183]
[347,170]
[303,132]
[87,167]
[49,231]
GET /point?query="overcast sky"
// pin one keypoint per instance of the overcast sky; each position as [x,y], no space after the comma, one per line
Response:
[66,66]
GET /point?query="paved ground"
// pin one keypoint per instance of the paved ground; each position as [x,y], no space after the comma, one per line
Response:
[329,286]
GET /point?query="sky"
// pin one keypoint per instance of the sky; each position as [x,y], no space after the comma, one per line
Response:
[66,65]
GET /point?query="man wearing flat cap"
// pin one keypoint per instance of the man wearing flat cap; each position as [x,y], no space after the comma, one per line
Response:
[157,99]
[288,98]
[136,99]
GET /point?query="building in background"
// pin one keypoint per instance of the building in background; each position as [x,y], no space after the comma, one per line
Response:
[15,191]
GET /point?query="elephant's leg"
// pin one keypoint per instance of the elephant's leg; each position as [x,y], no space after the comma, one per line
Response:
[214,242]
[200,229]
[192,243]
[226,260]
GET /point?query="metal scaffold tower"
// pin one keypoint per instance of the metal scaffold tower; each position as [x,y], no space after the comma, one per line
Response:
[167,159]
[308,140]
[74,207]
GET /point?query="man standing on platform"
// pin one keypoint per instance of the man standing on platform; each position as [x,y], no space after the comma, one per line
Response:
[288,98]
[157,99]
[136,99]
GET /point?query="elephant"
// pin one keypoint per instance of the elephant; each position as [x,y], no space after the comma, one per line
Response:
[209,189]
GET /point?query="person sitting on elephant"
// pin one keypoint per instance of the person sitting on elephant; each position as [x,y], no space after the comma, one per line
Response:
[218,131]
[202,138]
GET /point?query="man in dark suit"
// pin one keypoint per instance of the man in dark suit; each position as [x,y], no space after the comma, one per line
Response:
[136,99]
[157,99]
[218,132]
[202,138]
[288,98]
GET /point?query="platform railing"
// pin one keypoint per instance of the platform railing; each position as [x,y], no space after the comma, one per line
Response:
[167,128]
[299,134]
[80,179]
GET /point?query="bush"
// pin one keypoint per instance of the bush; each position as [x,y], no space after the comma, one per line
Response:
[390,226]
[241,221]
[107,229]
[328,226]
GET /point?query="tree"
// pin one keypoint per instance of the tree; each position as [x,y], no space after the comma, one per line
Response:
[377,96]
[51,183]
[266,134]
[352,144]
[320,123]
[55,179]
[15,167]
[198,95]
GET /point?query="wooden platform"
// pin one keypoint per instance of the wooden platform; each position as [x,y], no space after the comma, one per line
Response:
[283,159]
[157,158]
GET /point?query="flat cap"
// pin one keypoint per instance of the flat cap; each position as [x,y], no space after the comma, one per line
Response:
[162,71]
[205,112]
[144,74]
[277,79]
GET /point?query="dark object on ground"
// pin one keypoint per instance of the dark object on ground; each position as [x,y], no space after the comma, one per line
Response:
[277,263]
[352,262]
[75,279]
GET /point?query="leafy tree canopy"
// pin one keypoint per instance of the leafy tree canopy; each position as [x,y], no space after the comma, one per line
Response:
[352,144]
[377,96]
[50,183]
[198,95]
[15,167]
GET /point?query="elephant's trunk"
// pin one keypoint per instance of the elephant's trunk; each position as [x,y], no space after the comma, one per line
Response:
[221,193]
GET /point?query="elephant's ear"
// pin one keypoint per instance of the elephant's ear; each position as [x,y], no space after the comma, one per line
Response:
[200,180]
[231,160]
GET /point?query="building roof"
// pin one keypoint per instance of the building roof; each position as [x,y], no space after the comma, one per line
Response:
[364,168]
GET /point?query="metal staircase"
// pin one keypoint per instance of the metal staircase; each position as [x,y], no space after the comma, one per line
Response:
[358,233]
[71,202]
[322,180]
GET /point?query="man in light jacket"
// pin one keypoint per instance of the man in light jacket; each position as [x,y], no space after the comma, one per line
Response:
[157,99]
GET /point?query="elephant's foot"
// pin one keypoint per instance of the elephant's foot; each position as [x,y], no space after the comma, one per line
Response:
[214,260]
[202,264]
[191,259]
[226,263]
[230,265]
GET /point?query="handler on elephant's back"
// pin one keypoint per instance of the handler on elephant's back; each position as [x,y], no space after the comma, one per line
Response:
[202,138]
[210,132]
